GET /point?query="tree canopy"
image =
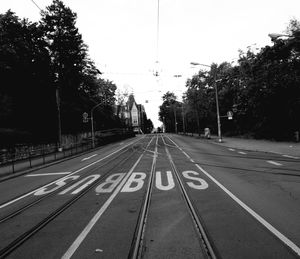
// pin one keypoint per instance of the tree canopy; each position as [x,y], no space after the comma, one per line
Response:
[263,91]
[39,61]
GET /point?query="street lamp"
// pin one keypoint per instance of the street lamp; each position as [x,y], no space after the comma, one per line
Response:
[173,106]
[275,36]
[183,119]
[217,98]
[58,119]
[92,124]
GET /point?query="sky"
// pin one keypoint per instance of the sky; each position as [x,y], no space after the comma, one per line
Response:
[122,36]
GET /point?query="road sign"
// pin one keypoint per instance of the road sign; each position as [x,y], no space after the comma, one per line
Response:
[229,115]
[85,117]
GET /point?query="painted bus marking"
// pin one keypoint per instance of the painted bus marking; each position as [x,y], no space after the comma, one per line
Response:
[164,181]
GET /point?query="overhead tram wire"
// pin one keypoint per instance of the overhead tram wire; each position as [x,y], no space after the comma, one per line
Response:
[36,5]
[156,72]
[157,33]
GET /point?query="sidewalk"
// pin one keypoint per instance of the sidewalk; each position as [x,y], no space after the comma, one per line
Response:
[283,148]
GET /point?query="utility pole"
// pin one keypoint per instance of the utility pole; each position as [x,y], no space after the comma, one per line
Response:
[218,111]
[183,122]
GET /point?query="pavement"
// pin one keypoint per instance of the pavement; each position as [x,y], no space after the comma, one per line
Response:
[282,148]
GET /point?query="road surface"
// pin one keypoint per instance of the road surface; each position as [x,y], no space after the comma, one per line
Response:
[155,196]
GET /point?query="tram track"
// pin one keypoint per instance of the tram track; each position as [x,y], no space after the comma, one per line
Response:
[68,184]
[136,250]
[14,199]
[137,244]
[110,159]
[203,235]
[5,251]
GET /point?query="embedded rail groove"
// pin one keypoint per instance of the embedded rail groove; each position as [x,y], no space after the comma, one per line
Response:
[29,233]
[206,243]
[41,198]
[137,244]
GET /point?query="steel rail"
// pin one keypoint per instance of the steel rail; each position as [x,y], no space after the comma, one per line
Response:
[80,169]
[41,198]
[137,243]
[28,234]
[206,243]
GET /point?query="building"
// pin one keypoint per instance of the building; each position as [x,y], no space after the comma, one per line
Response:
[133,114]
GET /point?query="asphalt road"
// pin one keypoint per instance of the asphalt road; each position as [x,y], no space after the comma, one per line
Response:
[155,196]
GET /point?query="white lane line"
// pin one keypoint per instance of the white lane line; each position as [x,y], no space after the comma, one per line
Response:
[86,158]
[46,174]
[231,149]
[266,224]
[72,249]
[273,162]
[288,156]
[242,153]
[61,179]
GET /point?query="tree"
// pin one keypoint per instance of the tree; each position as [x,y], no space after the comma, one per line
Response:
[263,89]
[169,113]
[73,71]
[24,71]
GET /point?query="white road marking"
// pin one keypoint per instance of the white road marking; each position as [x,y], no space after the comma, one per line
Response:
[231,149]
[203,184]
[272,229]
[273,163]
[110,183]
[46,174]
[90,178]
[61,179]
[59,185]
[170,180]
[242,153]
[86,158]
[135,182]
[72,249]
[288,156]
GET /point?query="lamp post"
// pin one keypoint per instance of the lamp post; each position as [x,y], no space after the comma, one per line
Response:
[217,98]
[183,122]
[92,124]
[174,109]
[58,118]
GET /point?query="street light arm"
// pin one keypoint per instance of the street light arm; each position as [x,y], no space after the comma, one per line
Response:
[95,107]
[275,36]
[199,64]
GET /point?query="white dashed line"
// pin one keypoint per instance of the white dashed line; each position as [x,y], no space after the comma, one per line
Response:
[294,157]
[260,219]
[274,163]
[86,158]
[242,153]
[231,149]
[46,174]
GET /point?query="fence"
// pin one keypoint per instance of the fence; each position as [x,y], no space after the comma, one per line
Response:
[26,157]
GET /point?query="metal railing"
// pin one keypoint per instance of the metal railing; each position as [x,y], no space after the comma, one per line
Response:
[26,157]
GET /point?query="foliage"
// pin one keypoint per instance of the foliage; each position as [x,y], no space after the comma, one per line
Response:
[39,60]
[170,113]
[263,90]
